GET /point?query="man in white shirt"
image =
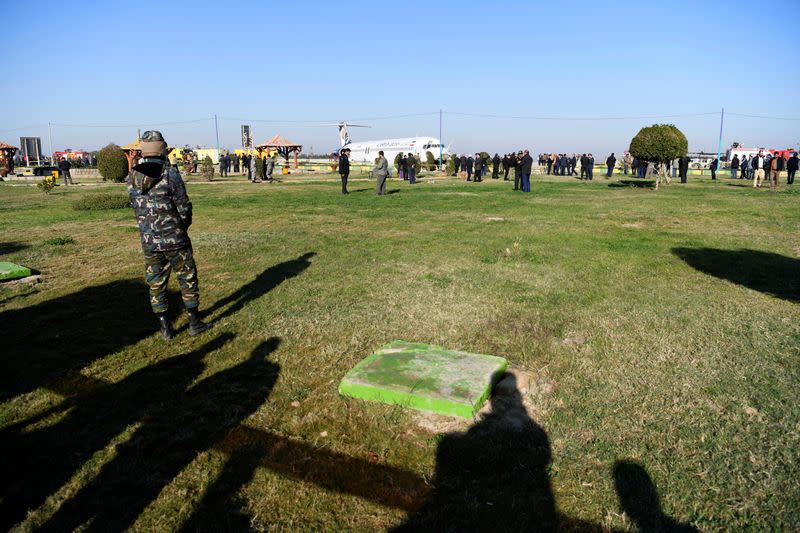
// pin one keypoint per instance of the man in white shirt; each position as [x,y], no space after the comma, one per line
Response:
[758,169]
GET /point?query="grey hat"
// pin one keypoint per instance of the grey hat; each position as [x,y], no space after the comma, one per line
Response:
[153,144]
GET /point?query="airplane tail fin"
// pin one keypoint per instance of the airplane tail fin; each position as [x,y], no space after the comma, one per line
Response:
[344,135]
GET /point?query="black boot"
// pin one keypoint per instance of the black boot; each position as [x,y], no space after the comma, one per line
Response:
[166,329]
[196,325]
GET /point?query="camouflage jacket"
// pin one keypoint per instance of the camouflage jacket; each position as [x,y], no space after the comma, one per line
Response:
[161,205]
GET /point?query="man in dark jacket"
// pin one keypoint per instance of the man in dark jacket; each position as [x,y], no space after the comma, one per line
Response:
[734,166]
[479,164]
[714,166]
[589,167]
[344,168]
[584,165]
[64,166]
[235,163]
[573,162]
[683,168]
[610,163]
[517,161]
[495,167]
[791,168]
[470,163]
[526,167]
[463,163]
[164,213]
[506,166]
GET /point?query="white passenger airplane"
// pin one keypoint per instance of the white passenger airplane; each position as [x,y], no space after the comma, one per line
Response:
[367,151]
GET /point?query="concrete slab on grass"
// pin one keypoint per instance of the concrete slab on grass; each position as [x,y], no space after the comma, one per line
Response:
[13,271]
[425,377]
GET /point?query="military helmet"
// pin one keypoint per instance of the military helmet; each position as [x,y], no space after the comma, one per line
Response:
[153,144]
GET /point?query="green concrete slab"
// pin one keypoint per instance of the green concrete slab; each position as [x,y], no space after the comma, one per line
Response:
[13,271]
[425,377]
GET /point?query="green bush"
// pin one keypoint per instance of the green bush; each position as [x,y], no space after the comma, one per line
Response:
[59,241]
[659,143]
[106,200]
[112,163]
[207,168]
[430,161]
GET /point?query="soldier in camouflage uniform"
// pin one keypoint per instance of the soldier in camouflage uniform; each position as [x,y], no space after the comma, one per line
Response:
[164,214]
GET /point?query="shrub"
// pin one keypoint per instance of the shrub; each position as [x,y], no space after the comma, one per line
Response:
[430,161]
[59,241]
[658,144]
[95,202]
[112,163]
[450,166]
[207,168]
[47,184]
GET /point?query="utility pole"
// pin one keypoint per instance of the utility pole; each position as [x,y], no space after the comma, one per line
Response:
[50,137]
[441,141]
[719,146]
[216,131]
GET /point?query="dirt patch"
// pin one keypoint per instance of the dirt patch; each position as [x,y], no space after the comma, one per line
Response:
[495,219]
[636,225]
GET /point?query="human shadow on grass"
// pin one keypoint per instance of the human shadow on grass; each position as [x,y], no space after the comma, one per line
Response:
[638,498]
[11,247]
[49,340]
[36,462]
[261,285]
[178,425]
[493,477]
[766,272]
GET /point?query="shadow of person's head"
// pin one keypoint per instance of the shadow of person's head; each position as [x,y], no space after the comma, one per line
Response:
[638,498]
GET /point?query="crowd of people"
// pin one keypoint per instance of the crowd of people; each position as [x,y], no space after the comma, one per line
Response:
[474,168]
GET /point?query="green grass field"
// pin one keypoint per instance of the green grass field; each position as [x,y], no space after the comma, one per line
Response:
[661,331]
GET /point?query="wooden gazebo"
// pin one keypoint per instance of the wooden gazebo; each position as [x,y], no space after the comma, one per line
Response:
[7,161]
[133,151]
[282,146]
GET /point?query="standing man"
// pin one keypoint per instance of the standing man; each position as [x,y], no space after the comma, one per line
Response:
[506,166]
[235,163]
[64,167]
[734,166]
[495,166]
[791,168]
[252,161]
[549,163]
[479,163]
[470,163]
[626,162]
[590,167]
[775,167]
[573,162]
[164,214]
[518,171]
[526,166]
[757,163]
[344,168]
[683,168]
[743,166]
[584,165]
[269,167]
[380,171]
[610,163]
[412,169]
[714,166]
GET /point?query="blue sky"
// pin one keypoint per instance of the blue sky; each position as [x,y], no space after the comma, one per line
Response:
[133,64]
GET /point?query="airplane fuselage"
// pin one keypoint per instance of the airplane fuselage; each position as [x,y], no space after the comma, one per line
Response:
[367,151]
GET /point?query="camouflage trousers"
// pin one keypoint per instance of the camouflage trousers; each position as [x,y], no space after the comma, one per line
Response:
[159,265]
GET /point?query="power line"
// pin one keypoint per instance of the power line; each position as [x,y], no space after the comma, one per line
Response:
[317,122]
[24,128]
[137,125]
[519,117]
[763,116]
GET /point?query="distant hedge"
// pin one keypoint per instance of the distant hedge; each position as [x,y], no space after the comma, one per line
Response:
[96,202]
[112,163]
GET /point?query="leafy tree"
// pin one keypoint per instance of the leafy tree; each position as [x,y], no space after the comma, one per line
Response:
[207,168]
[259,167]
[659,144]
[450,165]
[112,163]
[430,161]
